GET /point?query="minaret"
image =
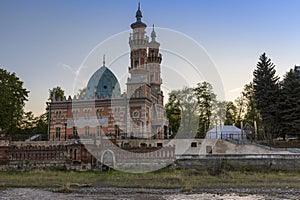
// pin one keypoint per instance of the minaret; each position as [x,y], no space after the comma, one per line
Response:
[139,75]
[154,60]
[138,87]
[138,42]
[145,110]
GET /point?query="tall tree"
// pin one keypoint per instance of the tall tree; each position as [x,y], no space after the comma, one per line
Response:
[252,115]
[12,101]
[241,104]
[231,113]
[173,113]
[266,95]
[290,103]
[182,111]
[206,98]
[56,94]
[189,111]
[219,113]
[41,126]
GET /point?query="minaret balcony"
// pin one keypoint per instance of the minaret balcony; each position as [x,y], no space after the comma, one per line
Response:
[154,59]
[138,37]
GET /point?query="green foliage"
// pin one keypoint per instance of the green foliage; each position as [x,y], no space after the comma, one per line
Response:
[219,111]
[240,104]
[188,105]
[173,112]
[30,126]
[231,113]
[56,94]
[290,104]
[190,110]
[81,92]
[206,99]
[251,114]
[12,101]
[266,95]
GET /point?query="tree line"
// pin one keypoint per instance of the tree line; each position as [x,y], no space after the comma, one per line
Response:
[266,104]
[15,122]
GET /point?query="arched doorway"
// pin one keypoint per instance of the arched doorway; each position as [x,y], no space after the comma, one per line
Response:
[108,160]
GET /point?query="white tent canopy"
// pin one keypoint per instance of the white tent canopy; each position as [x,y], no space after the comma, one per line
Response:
[226,132]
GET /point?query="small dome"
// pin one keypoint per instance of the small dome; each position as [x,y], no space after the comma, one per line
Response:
[103,84]
[153,34]
[138,23]
[153,43]
[138,14]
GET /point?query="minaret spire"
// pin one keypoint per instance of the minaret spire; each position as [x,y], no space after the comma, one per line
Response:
[103,60]
[138,16]
[153,34]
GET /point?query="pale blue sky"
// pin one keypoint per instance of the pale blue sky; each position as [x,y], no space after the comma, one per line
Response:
[38,39]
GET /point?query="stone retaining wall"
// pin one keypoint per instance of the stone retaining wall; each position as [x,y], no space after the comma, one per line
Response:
[289,162]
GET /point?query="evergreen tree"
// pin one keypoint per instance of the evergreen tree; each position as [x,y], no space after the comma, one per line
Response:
[266,95]
[290,103]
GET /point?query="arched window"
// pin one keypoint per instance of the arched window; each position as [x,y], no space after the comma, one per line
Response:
[86,114]
[71,153]
[87,130]
[75,114]
[57,132]
[75,154]
[99,113]
[75,130]
[117,130]
[151,78]
[136,64]
[99,131]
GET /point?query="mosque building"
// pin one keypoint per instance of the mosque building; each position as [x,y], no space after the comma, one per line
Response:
[104,110]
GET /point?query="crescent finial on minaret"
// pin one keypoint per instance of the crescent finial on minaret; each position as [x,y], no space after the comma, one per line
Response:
[103,59]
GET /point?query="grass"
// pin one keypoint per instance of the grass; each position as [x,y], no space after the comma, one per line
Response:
[186,180]
[45,178]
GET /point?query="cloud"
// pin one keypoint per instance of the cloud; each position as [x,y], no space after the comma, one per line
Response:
[69,68]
